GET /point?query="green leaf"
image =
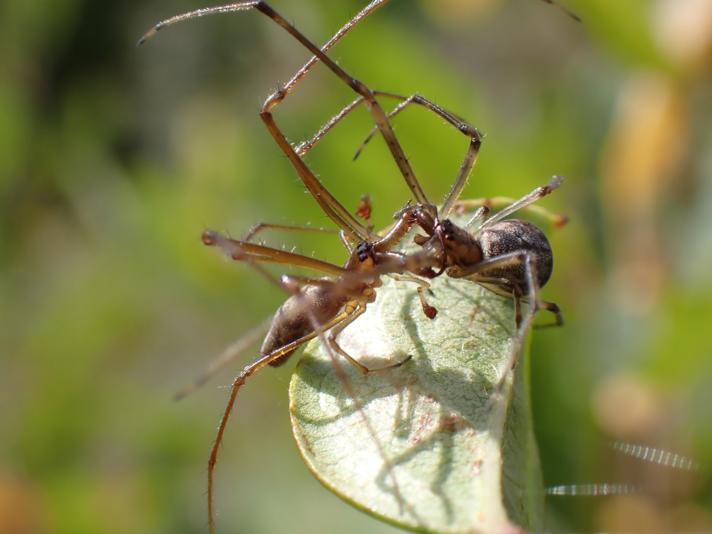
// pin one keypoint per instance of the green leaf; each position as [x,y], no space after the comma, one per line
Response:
[443,454]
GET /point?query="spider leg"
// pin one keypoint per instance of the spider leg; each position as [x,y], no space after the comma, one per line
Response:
[261,227]
[227,356]
[252,253]
[359,87]
[423,286]
[566,11]
[460,124]
[528,260]
[358,310]
[523,202]
[289,86]
[237,384]
[557,219]
[554,309]
[332,347]
[328,203]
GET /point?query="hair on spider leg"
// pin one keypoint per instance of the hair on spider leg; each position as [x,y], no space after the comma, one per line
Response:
[262,226]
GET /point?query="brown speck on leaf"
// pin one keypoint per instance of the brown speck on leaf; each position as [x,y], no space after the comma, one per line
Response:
[477,466]
[451,423]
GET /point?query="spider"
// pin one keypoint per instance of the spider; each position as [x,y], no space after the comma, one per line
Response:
[511,257]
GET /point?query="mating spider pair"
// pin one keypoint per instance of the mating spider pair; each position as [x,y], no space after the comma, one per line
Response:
[508,256]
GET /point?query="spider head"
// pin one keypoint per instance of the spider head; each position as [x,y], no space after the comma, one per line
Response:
[460,246]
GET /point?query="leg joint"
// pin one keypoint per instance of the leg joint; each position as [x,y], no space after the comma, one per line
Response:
[274,99]
[361,88]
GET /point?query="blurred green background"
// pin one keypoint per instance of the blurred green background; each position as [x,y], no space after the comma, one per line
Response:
[113,160]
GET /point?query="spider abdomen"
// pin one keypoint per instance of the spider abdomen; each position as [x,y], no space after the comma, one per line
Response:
[291,321]
[514,235]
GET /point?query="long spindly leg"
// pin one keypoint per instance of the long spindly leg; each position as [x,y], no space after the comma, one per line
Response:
[356,312]
[420,100]
[377,112]
[253,253]
[523,202]
[503,287]
[305,146]
[332,348]
[460,124]
[517,309]
[237,384]
[261,227]
[227,356]
[556,219]
[528,320]
[250,254]
[478,217]
[328,203]
[289,86]
[511,259]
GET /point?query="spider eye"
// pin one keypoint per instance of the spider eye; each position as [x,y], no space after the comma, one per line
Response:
[363,252]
